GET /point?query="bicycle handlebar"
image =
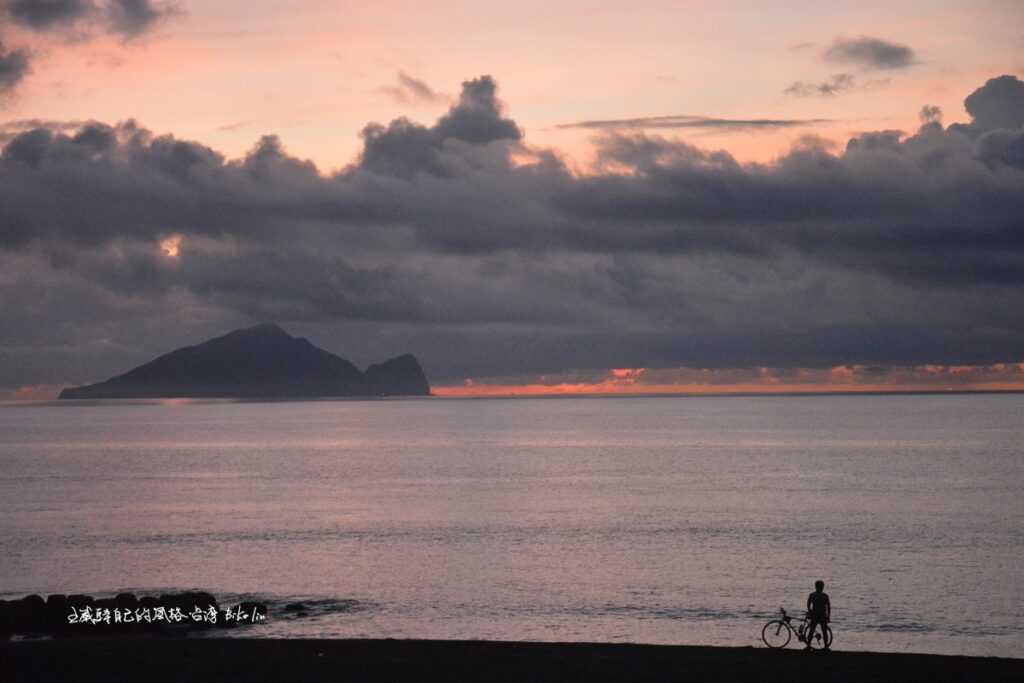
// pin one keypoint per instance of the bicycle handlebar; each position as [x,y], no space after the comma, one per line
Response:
[786,615]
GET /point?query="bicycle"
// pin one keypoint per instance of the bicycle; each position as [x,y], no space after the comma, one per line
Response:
[777,633]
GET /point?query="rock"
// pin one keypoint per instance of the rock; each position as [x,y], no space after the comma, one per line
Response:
[30,615]
[6,619]
[79,601]
[150,603]
[126,601]
[57,613]
[192,599]
[401,376]
[252,612]
[33,615]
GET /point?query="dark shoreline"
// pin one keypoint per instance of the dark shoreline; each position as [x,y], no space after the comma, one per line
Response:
[249,659]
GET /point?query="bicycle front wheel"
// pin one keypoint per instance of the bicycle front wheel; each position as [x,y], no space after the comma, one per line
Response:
[776,634]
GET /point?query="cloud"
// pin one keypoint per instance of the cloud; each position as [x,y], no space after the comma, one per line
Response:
[871,53]
[132,18]
[11,129]
[129,18]
[233,126]
[410,90]
[485,256]
[477,117]
[997,104]
[930,114]
[405,148]
[46,15]
[835,84]
[80,18]
[14,67]
[689,121]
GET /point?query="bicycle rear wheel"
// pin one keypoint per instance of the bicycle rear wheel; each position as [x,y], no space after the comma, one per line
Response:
[822,638]
[776,634]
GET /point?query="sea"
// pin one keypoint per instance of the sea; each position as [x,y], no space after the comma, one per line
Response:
[683,520]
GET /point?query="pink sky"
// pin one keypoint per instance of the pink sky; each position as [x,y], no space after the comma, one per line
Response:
[316,72]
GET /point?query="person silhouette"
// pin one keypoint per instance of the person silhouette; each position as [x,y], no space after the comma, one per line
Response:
[819,609]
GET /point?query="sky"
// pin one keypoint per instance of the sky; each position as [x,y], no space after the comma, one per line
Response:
[532,198]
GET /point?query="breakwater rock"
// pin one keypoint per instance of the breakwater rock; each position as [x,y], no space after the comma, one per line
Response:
[124,614]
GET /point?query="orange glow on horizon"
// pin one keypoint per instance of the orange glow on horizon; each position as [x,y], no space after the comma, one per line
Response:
[931,378]
[483,390]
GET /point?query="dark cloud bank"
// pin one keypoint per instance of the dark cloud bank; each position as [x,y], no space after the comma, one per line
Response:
[484,256]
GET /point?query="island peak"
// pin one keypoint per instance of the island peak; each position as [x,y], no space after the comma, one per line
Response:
[262,361]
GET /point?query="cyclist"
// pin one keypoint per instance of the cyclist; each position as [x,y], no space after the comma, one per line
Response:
[819,609]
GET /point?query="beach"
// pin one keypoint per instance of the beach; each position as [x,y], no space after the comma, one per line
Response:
[150,660]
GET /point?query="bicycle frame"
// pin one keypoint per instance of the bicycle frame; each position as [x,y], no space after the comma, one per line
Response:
[800,629]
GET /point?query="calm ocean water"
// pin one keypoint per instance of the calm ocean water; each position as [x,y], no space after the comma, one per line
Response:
[662,520]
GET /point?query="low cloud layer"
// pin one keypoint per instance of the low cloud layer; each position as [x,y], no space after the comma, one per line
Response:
[132,18]
[675,121]
[460,242]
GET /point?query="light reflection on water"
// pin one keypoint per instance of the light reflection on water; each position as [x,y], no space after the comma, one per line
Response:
[638,519]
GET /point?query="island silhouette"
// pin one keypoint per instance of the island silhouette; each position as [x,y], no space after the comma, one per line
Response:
[258,362]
